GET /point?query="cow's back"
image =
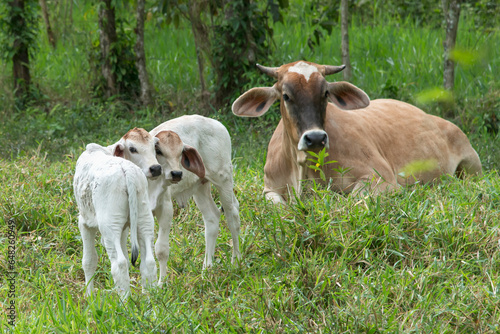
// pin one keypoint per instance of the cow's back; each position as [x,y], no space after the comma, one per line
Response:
[398,138]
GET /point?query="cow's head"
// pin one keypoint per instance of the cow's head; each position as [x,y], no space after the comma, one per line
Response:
[171,153]
[138,146]
[304,93]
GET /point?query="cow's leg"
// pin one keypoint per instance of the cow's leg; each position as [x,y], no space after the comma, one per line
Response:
[148,264]
[89,260]
[470,165]
[275,198]
[375,184]
[164,213]
[111,231]
[231,212]
[211,216]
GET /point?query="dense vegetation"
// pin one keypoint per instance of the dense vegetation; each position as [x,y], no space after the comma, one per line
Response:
[425,259]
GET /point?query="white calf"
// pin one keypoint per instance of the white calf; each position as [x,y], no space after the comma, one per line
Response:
[111,194]
[203,147]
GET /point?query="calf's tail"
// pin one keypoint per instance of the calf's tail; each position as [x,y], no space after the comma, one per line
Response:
[132,203]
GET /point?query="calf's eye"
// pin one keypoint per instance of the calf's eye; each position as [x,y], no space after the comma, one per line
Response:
[133,150]
[286,97]
[327,93]
[158,152]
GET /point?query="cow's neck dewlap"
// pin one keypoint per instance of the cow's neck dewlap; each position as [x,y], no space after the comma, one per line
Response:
[302,68]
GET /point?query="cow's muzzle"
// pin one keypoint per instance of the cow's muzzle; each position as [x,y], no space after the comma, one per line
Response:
[313,140]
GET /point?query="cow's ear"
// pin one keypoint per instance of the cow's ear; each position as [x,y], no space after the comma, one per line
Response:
[192,161]
[118,149]
[347,96]
[255,102]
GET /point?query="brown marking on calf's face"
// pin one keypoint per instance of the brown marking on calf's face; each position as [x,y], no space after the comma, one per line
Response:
[170,139]
[137,134]
[138,146]
[172,153]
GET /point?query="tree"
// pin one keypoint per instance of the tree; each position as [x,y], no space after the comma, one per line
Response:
[344,26]
[201,40]
[46,19]
[146,89]
[451,10]
[19,26]
[192,10]
[107,39]
[232,35]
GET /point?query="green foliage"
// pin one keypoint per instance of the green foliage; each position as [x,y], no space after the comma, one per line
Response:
[487,116]
[318,160]
[18,27]
[240,39]
[122,59]
[486,13]
[436,94]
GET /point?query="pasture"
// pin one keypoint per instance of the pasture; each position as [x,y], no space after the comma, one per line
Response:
[424,259]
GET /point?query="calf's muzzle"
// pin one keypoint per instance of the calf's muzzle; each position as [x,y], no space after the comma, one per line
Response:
[155,170]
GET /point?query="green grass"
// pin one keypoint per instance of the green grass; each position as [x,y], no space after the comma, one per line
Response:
[423,259]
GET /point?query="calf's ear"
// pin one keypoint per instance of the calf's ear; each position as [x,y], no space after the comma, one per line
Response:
[255,102]
[118,149]
[347,96]
[192,161]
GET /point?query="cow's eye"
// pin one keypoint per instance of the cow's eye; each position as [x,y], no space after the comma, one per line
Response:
[158,152]
[286,97]
[327,93]
[133,150]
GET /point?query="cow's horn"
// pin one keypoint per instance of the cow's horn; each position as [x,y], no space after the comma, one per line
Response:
[271,71]
[333,69]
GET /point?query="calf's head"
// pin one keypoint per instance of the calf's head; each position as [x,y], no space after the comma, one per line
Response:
[171,153]
[303,93]
[138,146]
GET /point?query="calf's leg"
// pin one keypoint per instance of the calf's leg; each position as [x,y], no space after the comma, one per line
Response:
[89,260]
[231,212]
[164,213]
[211,216]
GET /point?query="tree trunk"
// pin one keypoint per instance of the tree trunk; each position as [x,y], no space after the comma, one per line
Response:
[20,59]
[451,11]
[344,18]
[140,62]
[108,38]
[201,42]
[45,14]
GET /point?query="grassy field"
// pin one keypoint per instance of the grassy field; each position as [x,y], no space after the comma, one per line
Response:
[425,259]
[422,260]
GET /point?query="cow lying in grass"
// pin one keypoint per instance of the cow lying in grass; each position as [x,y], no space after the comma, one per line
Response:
[375,145]
[111,194]
[202,146]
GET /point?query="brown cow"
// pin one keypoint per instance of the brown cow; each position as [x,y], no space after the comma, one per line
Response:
[377,145]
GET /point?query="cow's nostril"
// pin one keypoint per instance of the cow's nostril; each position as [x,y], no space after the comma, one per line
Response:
[155,170]
[315,140]
[308,141]
[176,175]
